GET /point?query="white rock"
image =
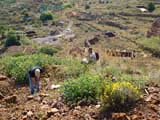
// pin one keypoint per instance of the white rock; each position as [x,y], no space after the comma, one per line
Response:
[84,60]
[55,86]
[45,107]
[143,9]
[98,106]
[54,110]
[30,114]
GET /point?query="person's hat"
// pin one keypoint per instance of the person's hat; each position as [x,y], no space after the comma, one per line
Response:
[37,73]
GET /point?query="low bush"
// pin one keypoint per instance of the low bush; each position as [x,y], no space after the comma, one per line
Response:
[48,50]
[151,7]
[12,39]
[87,6]
[46,16]
[18,67]
[3,30]
[86,88]
[119,96]
[68,5]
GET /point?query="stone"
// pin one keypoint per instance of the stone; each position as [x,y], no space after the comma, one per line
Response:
[63,114]
[1,96]
[24,117]
[78,107]
[120,116]
[29,113]
[55,86]
[76,112]
[52,112]
[43,95]
[24,113]
[135,117]
[13,118]
[2,77]
[149,98]
[153,89]
[11,99]
[45,107]
[56,104]
[153,107]
[30,97]
[98,106]
[3,110]
[38,99]
[44,102]
[87,117]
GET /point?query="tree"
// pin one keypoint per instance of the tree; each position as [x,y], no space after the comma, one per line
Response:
[151,7]
[12,39]
[46,16]
[87,6]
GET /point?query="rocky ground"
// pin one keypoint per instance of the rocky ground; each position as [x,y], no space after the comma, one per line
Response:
[17,104]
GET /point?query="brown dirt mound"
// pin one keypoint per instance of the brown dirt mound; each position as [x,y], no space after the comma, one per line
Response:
[155,29]
[4,86]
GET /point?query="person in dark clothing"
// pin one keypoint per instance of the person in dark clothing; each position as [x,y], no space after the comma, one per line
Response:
[34,75]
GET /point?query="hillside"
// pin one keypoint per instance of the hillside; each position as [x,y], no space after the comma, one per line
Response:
[123,84]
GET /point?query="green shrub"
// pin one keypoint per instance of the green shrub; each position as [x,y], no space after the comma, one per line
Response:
[152,42]
[119,95]
[86,88]
[25,41]
[87,6]
[18,67]
[67,5]
[12,39]
[46,16]
[3,29]
[151,7]
[48,50]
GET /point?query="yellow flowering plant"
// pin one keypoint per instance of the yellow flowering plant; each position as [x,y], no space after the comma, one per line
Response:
[119,95]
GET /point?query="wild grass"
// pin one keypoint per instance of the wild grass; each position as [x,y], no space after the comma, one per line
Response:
[153,42]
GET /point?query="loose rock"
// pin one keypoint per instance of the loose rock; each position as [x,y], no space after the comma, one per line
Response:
[55,86]
[87,117]
[29,113]
[1,96]
[2,77]
[117,116]
[11,99]
[52,112]
[30,97]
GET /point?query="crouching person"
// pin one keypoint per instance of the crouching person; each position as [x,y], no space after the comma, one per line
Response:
[92,57]
[34,78]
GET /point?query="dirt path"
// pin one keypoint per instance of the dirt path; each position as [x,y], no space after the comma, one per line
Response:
[54,40]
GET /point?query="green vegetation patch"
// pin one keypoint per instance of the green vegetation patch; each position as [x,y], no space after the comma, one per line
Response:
[153,42]
[12,39]
[151,7]
[45,16]
[48,50]
[18,67]
[86,88]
